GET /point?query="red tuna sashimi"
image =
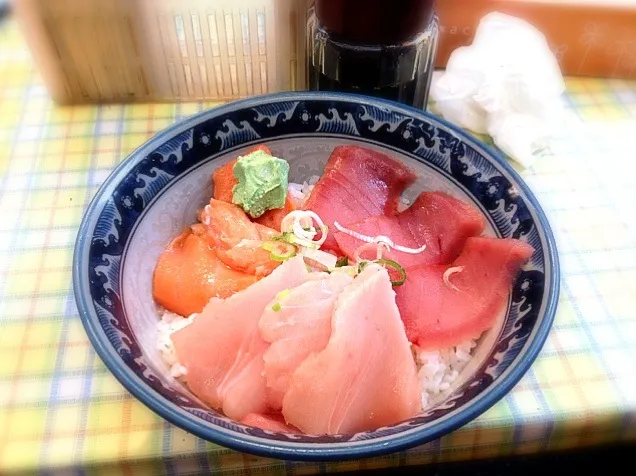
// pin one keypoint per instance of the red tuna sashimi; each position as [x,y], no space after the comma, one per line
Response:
[436,315]
[366,377]
[222,349]
[297,325]
[449,220]
[270,421]
[357,182]
[436,219]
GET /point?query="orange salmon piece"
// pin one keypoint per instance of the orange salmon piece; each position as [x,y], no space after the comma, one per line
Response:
[237,240]
[224,181]
[273,218]
[189,273]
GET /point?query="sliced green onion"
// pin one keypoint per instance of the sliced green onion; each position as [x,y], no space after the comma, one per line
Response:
[362,265]
[344,261]
[279,250]
[285,237]
[276,307]
[283,294]
[387,263]
[289,237]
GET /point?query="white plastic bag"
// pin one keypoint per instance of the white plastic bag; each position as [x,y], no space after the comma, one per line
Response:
[507,84]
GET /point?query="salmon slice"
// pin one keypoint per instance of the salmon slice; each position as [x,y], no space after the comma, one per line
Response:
[357,183]
[222,349]
[270,422]
[224,180]
[366,377]
[189,273]
[435,219]
[265,232]
[237,240]
[295,326]
[273,218]
[437,316]
[227,224]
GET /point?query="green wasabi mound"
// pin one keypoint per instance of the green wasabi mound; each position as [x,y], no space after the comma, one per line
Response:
[262,183]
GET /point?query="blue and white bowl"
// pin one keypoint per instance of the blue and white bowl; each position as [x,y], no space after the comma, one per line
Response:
[155,192]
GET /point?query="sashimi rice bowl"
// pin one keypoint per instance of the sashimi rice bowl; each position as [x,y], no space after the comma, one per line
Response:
[291,294]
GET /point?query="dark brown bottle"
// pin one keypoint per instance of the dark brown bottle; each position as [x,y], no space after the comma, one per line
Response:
[374,47]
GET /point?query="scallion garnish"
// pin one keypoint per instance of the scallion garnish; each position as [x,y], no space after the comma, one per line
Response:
[279,250]
[344,261]
[387,263]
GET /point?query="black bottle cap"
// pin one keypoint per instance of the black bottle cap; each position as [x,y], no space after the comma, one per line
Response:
[374,22]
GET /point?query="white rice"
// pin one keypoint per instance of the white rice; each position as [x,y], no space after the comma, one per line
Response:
[299,192]
[168,324]
[439,369]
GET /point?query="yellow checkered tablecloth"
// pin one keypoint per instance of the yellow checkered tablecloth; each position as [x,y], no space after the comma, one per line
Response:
[60,409]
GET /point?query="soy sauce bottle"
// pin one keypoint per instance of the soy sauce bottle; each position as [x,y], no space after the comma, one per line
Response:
[381,48]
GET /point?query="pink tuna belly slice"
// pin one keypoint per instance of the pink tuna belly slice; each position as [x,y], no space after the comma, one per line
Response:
[222,349]
[297,325]
[366,377]
[436,219]
[437,315]
[357,183]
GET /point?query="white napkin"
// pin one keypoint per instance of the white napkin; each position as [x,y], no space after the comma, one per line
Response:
[507,84]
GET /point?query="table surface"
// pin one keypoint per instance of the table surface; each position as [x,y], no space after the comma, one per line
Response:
[61,408]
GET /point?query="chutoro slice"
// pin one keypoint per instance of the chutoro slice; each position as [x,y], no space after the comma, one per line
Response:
[222,349]
[366,377]
[297,324]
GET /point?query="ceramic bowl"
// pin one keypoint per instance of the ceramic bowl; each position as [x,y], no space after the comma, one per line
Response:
[155,192]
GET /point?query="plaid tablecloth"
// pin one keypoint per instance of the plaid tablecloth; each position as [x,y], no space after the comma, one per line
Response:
[60,408]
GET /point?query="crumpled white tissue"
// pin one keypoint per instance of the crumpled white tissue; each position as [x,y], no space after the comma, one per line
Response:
[507,84]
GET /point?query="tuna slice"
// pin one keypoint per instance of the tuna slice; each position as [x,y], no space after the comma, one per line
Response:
[366,376]
[357,183]
[435,219]
[189,273]
[297,325]
[438,315]
[222,349]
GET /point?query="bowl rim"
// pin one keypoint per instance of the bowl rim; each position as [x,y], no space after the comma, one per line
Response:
[274,448]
